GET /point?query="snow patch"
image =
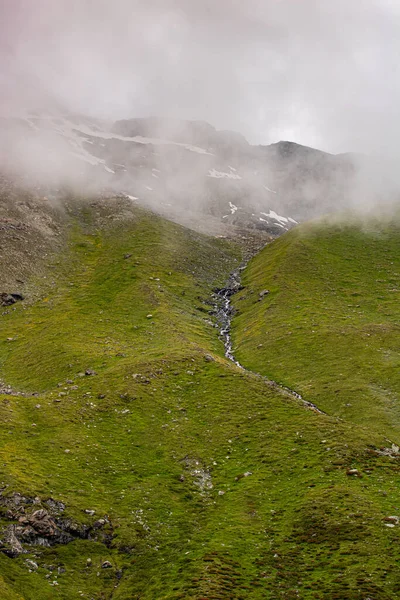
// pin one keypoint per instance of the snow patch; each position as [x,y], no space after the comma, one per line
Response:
[222,175]
[233,208]
[138,139]
[273,215]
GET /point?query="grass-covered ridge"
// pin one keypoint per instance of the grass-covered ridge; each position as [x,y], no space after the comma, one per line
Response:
[212,483]
[330,325]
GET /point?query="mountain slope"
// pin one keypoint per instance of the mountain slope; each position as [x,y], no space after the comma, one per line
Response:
[205,481]
[188,171]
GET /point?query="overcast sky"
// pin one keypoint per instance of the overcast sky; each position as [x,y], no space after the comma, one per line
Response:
[319,72]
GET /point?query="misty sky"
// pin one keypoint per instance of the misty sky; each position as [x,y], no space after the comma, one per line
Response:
[319,72]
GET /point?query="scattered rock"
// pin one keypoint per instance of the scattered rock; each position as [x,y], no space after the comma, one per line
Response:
[31,564]
[90,512]
[89,562]
[221,493]
[209,358]
[99,523]
[127,256]
[201,475]
[353,472]
[89,372]
[106,565]
[393,519]
[149,316]
[262,294]
[393,451]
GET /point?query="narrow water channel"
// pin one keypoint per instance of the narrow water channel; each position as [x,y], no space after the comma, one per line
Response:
[224,313]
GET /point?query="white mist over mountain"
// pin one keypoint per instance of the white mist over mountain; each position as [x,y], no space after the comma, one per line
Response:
[320,73]
[121,97]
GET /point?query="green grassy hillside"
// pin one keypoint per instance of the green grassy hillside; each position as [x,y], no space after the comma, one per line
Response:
[330,325]
[205,481]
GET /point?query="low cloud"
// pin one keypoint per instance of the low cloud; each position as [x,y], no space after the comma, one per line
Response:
[319,73]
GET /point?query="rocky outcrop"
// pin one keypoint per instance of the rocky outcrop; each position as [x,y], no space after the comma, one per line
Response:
[33,522]
[7,299]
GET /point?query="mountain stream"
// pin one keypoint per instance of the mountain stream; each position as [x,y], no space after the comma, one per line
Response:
[224,314]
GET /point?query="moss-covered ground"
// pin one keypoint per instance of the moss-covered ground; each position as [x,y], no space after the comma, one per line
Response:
[215,484]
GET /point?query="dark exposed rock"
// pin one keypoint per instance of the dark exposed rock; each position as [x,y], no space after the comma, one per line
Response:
[41,522]
[9,299]
[55,506]
[44,526]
